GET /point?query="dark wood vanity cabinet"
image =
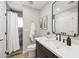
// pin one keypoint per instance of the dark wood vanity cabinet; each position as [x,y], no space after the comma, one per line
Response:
[42,52]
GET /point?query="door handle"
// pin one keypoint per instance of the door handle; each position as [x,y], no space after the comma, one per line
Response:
[1,39]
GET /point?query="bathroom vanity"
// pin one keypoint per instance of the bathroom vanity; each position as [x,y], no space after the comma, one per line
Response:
[52,48]
[42,52]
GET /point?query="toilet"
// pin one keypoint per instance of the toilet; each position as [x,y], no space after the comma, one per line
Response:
[31,50]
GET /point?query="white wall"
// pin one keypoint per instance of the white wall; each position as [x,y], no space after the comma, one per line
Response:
[29,14]
[2,29]
[47,11]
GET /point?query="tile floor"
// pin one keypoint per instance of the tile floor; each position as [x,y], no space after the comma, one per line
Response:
[19,54]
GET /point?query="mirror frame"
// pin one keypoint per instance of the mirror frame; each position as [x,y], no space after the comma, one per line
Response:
[54,23]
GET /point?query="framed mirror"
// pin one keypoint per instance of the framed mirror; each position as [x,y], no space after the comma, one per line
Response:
[65,19]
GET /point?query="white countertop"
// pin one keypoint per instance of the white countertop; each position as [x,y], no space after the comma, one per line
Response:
[58,48]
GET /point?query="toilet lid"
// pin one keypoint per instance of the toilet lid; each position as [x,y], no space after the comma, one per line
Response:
[32,46]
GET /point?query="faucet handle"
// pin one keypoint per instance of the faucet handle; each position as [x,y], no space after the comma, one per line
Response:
[64,40]
[56,37]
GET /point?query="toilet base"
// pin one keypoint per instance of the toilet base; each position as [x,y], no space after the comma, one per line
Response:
[31,54]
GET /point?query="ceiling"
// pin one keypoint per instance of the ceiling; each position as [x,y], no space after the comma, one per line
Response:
[18,5]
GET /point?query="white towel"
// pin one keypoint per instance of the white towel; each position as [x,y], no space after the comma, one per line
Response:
[32,31]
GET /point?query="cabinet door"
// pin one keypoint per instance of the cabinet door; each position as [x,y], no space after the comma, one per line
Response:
[40,54]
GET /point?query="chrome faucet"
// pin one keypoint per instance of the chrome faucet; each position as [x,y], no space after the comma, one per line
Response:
[58,36]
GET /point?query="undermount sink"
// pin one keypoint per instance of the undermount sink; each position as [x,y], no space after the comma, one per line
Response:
[55,43]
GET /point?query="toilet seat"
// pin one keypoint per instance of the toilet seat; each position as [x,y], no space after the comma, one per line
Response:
[31,47]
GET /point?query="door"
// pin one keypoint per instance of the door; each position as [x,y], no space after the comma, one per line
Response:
[2,29]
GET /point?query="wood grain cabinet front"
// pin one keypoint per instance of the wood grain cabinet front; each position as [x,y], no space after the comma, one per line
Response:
[42,52]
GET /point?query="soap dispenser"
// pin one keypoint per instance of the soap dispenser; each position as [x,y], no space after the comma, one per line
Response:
[69,41]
